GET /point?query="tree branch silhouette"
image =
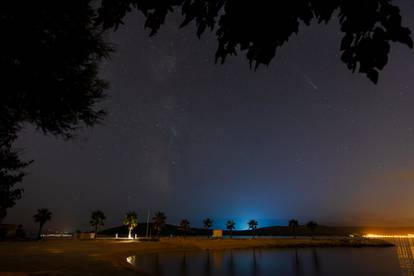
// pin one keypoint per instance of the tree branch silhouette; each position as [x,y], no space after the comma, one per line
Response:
[260,28]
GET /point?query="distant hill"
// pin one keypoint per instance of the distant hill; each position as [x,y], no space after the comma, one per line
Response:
[321,230]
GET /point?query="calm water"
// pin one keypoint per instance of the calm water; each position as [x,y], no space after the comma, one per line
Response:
[320,261]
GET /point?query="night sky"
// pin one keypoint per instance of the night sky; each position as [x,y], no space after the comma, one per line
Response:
[304,138]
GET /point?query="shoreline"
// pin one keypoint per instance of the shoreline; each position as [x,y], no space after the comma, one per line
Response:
[96,257]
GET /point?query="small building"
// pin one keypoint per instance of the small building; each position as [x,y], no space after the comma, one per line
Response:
[217,234]
[84,236]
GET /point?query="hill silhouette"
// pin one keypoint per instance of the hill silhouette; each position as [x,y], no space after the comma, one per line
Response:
[301,230]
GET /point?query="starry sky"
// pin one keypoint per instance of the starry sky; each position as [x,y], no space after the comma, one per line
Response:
[303,138]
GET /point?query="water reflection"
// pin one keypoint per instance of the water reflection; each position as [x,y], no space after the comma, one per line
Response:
[297,265]
[255,269]
[157,268]
[207,267]
[232,264]
[316,261]
[404,248]
[183,267]
[316,265]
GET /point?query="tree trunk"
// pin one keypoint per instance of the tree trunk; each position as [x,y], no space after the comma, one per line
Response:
[39,234]
[3,214]
[129,234]
[96,231]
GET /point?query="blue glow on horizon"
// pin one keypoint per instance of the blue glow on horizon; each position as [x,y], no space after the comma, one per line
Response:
[241,223]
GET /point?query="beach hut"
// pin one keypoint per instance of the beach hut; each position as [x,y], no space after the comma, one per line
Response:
[217,234]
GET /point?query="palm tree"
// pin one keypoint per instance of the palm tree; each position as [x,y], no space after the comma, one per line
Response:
[253,226]
[42,216]
[184,226]
[231,225]
[312,226]
[159,222]
[97,219]
[208,223]
[131,220]
[293,224]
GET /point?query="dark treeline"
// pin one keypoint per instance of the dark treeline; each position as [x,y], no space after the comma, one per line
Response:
[300,231]
[51,52]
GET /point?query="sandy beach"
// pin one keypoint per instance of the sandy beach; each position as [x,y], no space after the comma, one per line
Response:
[98,257]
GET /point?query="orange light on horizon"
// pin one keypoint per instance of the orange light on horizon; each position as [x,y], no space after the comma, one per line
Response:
[388,236]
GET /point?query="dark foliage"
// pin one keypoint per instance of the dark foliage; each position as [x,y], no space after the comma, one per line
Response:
[253,226]
[293,224]
[159,222]
[230,226]
[11,173]
[259,28]
[49,58]
[97,219]
[184,226]
[208,223]
[42,216]
[312,225]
